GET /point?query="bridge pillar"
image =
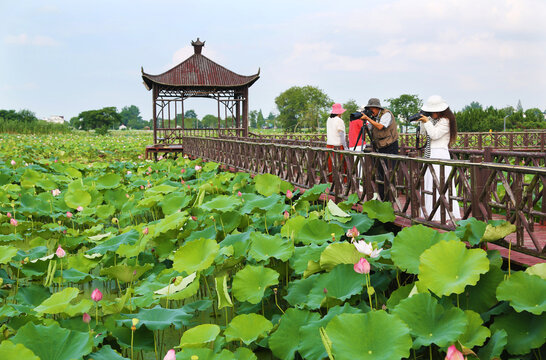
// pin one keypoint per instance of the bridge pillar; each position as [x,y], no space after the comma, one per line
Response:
[414,171]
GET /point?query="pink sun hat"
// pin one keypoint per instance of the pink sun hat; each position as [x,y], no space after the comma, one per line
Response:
[337,109]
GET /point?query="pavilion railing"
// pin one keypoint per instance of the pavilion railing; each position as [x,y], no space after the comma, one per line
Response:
[484,190]
[173,136]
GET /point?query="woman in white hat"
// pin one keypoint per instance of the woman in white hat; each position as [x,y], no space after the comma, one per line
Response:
[335,134]
[441,131]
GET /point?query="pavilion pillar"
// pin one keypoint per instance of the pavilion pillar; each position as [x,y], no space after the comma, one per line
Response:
[155,92]
[245,112]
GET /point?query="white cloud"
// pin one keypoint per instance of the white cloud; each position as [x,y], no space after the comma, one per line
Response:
[24,39]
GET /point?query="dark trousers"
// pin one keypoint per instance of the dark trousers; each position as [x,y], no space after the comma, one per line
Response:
[389,149]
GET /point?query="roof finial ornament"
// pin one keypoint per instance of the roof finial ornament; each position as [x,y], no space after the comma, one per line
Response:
[197,46]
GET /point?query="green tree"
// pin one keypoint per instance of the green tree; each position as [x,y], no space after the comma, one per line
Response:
[300,107]
[102,119]
[21,115]
[351,106]
[404,106]
[473,105]
[272,118]
[210,121]
[130,117]
[252,116]
[260,121]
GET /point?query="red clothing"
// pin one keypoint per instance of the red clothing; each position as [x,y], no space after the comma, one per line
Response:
[354,130]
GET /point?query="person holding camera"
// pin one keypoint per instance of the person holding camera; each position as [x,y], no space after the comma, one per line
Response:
[335,134]
[440,129]
[384,135]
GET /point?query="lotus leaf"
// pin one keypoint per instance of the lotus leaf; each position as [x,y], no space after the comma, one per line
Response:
[149,201]
[298,291]
[335,210]
[525,292]
[224,300]
[222,203]
[199,336]
[208,354]
[75,276]
[259,203]
[250,283]
[108,181]
[429,322]
[538,270]
[314,193]
[126,273]
[7,253]
[178,285]
[158,318]
[374,335]
[339,253]
[75,198]
[475,333]
[267,184]
[263,247]
[470,230]
[207,233]
[317,232]
[228,221]
[106,353]
[32,295]
[495,232]
[10,351]
[112,244]
[409,244]
[494,347]
[482,296]
[381,211]
[160,189]
[53,342]
[304,254]
[143,338]
[60,302]
[361,221]
[195,255]
[287,339]
[293,226]
[240,243]
[247,328]
[403,292]
[448,266]
[171,222]
[525,331]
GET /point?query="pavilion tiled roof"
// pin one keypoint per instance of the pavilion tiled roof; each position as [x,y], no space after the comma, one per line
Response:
[198,71]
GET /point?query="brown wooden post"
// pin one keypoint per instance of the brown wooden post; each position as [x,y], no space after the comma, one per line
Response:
[367,177]
[542,142]
[245,112]
[518,194]
[488,158]
[154,98]
[476,186]
[414,170]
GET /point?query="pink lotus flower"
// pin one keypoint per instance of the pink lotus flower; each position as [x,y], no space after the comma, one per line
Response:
[286,215]
[13,163]
[86,318]
[9,215]
[79,208]
[182,171]
[13,222]
[60,252]
[289,194]
[96,295]
[198,168]
[69,214]
[352,233]
[239,194]
[128,172]
[127,196]
[149,169]
[171,355]
[55,192]
[194,218]
[141,187]
[145,231]
[454,354]
[362,266]
[140,156]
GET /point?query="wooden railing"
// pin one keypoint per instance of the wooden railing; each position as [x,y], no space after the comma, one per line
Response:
[484,190]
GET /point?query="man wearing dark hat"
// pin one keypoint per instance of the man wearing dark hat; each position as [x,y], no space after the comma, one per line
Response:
[384,134]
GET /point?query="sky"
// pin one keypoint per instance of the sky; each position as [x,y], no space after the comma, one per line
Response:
[65,57]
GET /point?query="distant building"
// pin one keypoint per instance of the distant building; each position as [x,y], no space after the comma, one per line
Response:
[122,127]
[56,119]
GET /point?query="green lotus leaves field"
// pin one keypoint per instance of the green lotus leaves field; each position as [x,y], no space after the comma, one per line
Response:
[104,255]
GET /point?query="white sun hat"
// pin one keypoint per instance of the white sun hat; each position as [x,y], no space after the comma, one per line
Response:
[435,103]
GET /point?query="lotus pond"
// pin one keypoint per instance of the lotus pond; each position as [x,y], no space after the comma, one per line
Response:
[128,259]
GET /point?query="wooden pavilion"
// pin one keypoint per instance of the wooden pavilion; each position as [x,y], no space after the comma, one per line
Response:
[196,77]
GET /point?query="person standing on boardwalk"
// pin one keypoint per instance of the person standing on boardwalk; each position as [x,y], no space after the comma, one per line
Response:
[384,131]
[440,129]
[335,134]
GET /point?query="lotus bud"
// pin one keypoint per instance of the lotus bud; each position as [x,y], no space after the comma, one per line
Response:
[13,222]
[55,192]
[362,266]
[145,231]
[79,208]
[171,355]
[289,194]
[9,215]
[86,318]
[454,354]
[198,168]
[127,196]
[13,163]
[286,215]
[352,233]
[68,214]
[60,252]
[239,194]
[128,172]
[325,291]
[96,295]
[182,171]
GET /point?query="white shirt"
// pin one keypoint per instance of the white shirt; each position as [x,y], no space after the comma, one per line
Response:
[335,132]
[439,133]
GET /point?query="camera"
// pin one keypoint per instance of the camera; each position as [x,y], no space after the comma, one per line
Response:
[357,115]
[417,116]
